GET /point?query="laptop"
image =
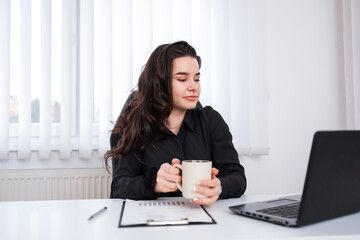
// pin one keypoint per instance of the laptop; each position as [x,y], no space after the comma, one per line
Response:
[331,189]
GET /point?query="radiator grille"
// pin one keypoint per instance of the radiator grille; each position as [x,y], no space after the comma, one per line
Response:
[24,185]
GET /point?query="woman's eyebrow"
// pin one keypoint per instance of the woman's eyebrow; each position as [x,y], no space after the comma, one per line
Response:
[181,73]
[185,73]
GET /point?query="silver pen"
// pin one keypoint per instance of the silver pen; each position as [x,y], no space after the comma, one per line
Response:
[97,213]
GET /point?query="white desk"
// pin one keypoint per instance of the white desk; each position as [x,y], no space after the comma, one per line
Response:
[68,220]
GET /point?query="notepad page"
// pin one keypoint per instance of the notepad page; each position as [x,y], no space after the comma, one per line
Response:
[139,212]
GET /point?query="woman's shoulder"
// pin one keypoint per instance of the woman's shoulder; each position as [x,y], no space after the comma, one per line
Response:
[214,121]
[209,110]
[211,115]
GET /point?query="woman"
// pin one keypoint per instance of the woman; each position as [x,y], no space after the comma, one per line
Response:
[164,123]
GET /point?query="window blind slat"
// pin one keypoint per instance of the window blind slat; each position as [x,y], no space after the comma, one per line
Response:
[355,18]
[56,65]
[4,77]
[162,19]
[201,39]
[66,87]
[86,78]
[181,19]
[103,69]
[24,81]
[122,54]
[45,94]
[351,62]
[142,35]
[239,74]
[258,76]
[220,58]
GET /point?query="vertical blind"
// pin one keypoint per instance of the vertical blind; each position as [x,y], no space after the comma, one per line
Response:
[86,77]
[88,54]
[351,26]
[45,84]
[24,80]
[4,77]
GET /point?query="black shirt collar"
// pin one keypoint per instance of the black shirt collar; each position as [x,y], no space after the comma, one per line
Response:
[189,119]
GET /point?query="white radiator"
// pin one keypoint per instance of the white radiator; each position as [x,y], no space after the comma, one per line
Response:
[23,185]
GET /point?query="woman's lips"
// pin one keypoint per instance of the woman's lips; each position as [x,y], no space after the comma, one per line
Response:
[191,98]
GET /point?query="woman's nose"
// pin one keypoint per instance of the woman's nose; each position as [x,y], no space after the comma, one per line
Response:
[193,86]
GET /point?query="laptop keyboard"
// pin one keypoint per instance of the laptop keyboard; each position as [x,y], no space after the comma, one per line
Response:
[286,211]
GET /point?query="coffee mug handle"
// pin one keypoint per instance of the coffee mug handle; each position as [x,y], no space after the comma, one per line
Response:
[179,185]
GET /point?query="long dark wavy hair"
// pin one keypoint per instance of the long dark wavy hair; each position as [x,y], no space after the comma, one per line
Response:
[151,104]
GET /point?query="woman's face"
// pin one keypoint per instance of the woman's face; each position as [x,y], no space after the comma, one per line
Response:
[185,83]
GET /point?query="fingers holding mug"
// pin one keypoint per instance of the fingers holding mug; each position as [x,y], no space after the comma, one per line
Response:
[211,189]
[205,200]
[214,172]
[175,161]
[166,178]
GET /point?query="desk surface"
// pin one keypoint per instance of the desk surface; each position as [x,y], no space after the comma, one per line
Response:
[68,220]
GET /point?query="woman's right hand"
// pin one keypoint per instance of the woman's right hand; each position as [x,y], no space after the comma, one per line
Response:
[167,176]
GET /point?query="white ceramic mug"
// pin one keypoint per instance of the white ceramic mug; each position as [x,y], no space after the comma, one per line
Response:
[192,172]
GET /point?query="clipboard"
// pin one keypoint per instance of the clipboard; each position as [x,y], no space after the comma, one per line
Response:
[164,212]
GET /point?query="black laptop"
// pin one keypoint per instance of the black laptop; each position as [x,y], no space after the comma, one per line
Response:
[331,189]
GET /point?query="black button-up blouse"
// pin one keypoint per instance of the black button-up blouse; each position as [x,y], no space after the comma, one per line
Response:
[204,135]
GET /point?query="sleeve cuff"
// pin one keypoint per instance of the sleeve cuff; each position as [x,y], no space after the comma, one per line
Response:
[150,181]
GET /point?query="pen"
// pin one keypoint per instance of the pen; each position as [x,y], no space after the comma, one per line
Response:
[97,213]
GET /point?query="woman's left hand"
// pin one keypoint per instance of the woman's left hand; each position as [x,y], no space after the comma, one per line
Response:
[212,192]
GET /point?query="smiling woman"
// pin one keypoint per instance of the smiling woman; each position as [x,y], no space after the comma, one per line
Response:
[161,125]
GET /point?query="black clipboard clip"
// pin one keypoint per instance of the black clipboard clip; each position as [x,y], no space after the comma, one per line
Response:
[152,222]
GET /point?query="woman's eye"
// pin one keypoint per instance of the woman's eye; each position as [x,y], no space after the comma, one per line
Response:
[182,80]
[197,80]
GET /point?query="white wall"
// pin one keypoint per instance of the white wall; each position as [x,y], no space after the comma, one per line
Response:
[305,74]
